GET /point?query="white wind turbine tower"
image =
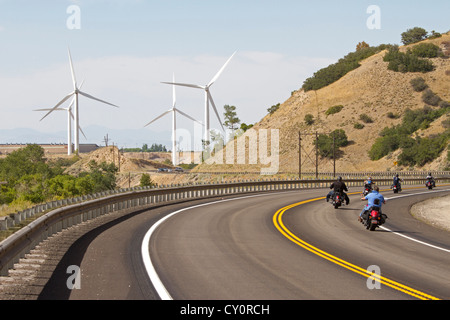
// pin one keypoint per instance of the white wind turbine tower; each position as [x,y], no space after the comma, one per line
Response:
[69,125]
[69,121]
[173,110]
[208,98]
[74,93]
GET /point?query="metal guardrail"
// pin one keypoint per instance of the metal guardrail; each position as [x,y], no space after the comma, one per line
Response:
[22,241]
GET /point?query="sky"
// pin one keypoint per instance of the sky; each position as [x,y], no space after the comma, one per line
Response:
[124,49]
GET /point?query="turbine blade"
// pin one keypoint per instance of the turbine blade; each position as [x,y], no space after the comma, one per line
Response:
[185,85]
[59,103]
[82,132]
[94,98]
[215,109]
[159,117]
[220,71]
[49,109]
[72,70]
[187,116]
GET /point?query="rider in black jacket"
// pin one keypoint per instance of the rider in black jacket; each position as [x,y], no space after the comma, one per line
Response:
[338,186]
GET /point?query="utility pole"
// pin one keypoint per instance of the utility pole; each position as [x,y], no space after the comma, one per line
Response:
[317,155]
[299,155]
[334,154]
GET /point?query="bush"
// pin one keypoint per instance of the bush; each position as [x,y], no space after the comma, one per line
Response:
[273,109]
[399,136]
[406,62]
[365,118]
[424,150]
[325,143]
[309,119]
[425,50]
[444,104]
[391,115]
[334,109]
[418,84]
[429,97]
[358,126]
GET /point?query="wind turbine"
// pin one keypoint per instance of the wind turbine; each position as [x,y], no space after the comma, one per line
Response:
[173,110]
[208,97]
[74,93]
[69,125]
[69,121]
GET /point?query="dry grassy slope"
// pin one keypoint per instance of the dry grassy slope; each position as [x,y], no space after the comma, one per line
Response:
[370,89]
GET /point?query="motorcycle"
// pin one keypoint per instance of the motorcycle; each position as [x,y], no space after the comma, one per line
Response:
[367,190]
[396,188]
[429,185]
[338,200]
[373,218]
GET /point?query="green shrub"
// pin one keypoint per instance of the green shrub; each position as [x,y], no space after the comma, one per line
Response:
[391,115]
[429,97]
[358,125]
[399,136]
[325,143]
[365,118]
[418,84]
[406,62]
[273,108]
[444,104]
[425,50]
[334,109]
[309,119]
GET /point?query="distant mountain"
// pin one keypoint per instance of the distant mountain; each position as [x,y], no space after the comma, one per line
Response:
[129,138]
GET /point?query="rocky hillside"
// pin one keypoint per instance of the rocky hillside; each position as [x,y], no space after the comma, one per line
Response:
[371,89]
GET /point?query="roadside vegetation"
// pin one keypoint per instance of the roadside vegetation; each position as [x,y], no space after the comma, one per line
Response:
[27,178]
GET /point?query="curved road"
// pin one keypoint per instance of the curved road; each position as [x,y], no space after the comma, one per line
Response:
[246,248]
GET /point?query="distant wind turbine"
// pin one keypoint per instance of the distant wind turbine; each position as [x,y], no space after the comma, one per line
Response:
[70,116]
[173,110]
[208,97]
[74,93]
[69,125]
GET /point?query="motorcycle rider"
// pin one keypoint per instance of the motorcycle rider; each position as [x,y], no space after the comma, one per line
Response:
[375,199]
[430,178]
[369,183]
[397,183]
[338,186]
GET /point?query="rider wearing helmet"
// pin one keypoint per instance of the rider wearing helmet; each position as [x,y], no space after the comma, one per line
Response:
[397,181]
[338,186]
[375,199]
[430,178]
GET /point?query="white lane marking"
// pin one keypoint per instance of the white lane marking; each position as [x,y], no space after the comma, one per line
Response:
[410,238]
[145,250]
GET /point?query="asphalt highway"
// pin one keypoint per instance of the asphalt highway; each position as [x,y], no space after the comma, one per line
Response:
[276,246]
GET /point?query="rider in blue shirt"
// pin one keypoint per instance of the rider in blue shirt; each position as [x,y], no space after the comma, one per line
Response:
[375,194]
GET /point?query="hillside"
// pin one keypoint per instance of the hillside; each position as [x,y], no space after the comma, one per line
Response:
[371,89]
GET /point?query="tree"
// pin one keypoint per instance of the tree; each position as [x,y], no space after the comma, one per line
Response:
[414,35]
[231,119]
[362,45]
[273,108]
[146,181]
[244,127]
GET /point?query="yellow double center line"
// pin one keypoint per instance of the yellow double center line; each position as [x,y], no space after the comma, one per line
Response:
[278,222]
